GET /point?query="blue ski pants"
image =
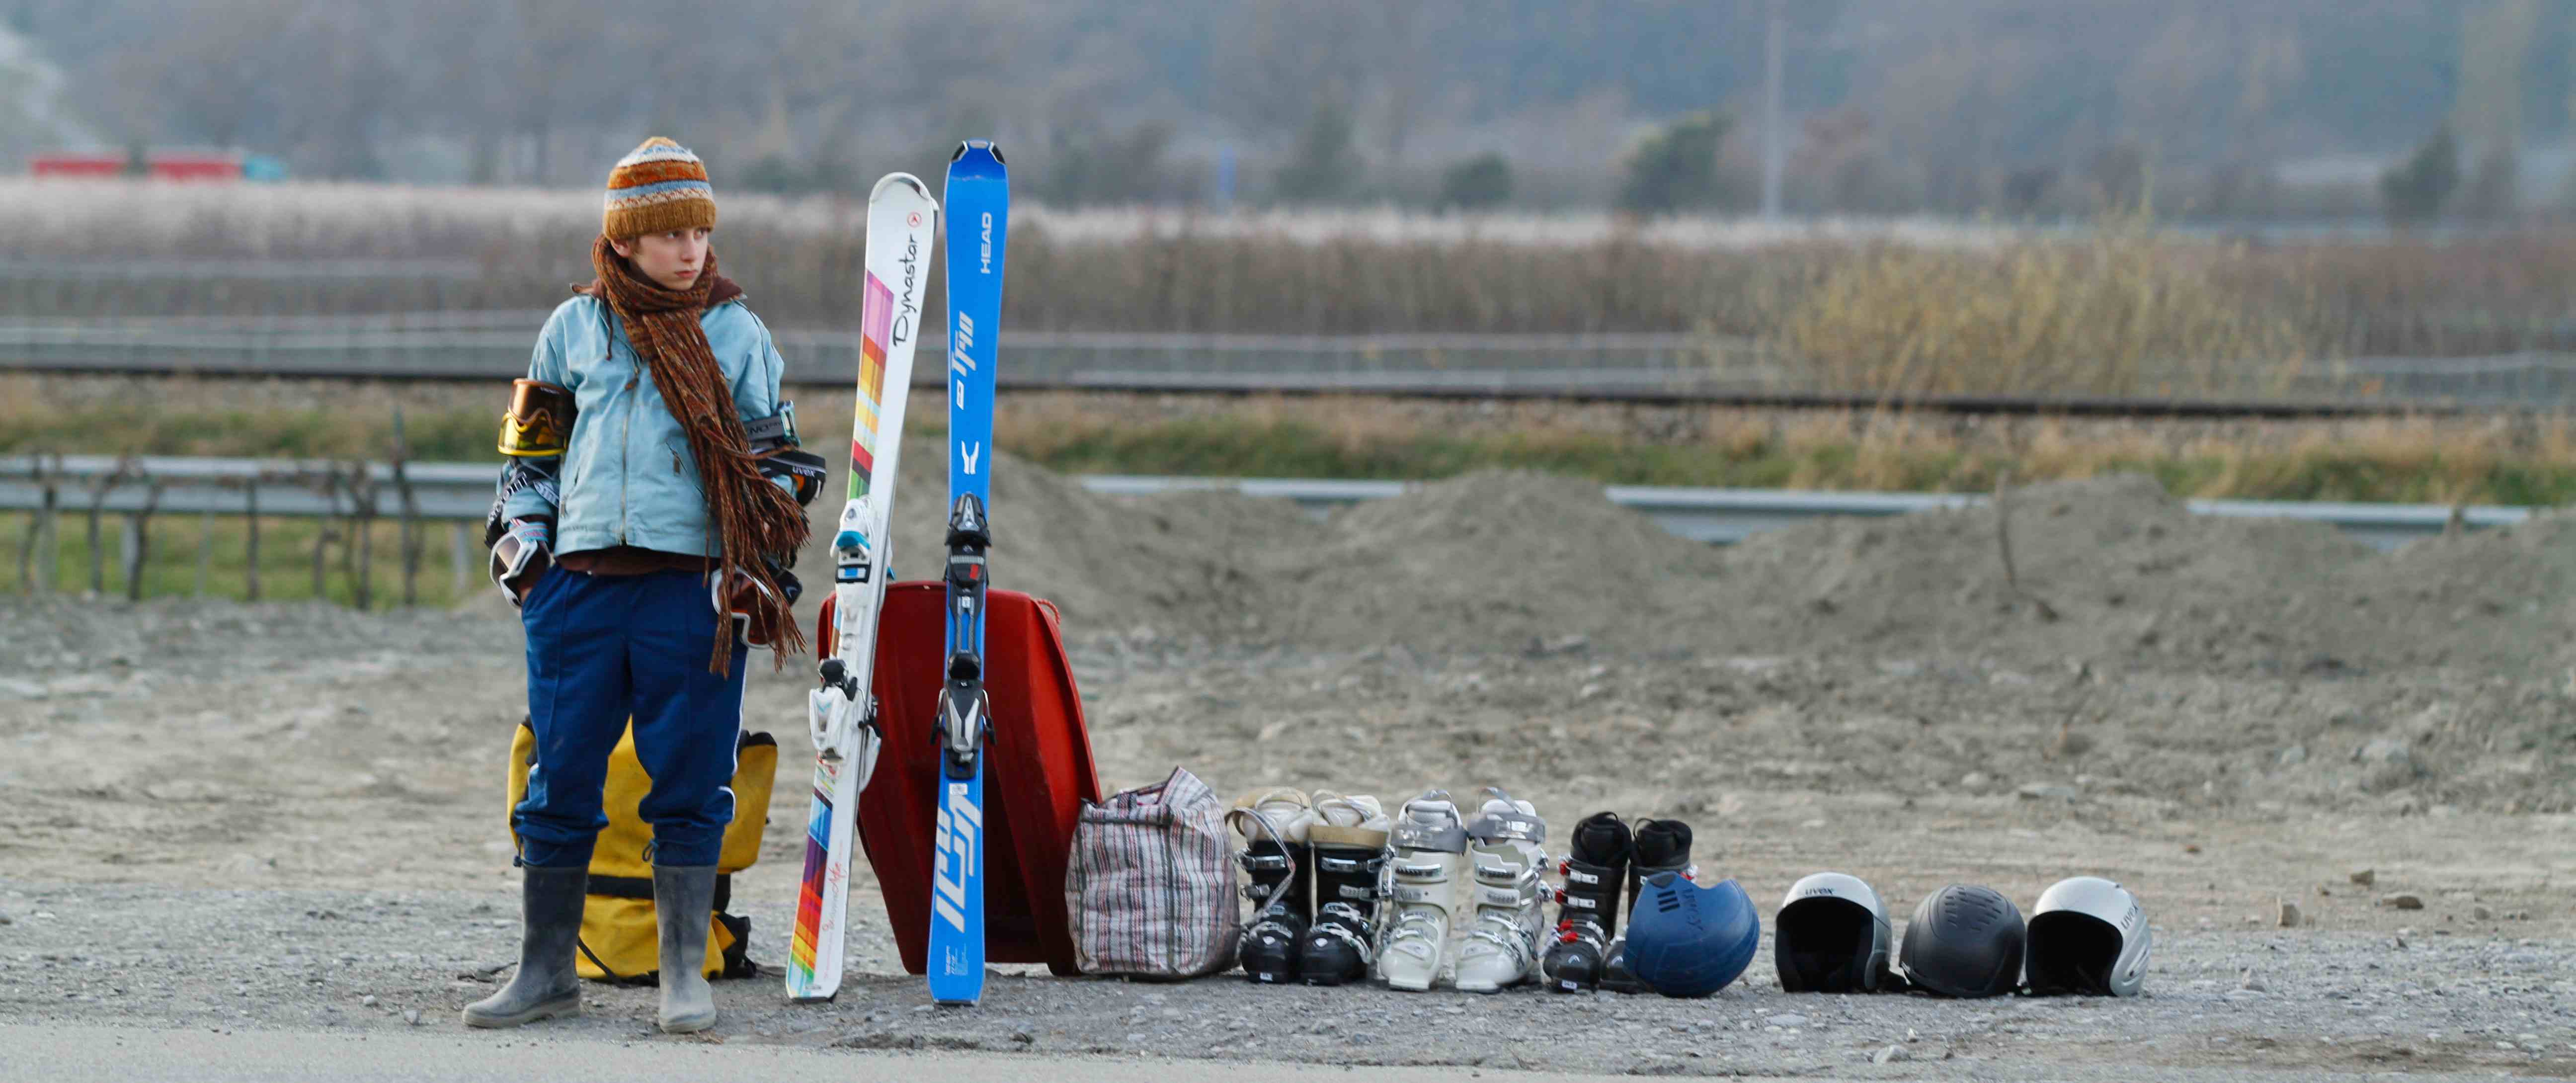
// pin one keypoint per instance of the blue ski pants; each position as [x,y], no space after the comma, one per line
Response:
[602,649]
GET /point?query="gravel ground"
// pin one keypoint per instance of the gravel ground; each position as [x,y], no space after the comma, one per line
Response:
[292,959]
[256,818]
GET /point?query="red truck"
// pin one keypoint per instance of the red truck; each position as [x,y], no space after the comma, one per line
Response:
[169,166]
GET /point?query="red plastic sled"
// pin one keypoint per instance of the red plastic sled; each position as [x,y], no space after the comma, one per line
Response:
[1037,772]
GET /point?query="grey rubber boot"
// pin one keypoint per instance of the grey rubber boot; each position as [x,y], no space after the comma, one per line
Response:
[684,900]
[550,903]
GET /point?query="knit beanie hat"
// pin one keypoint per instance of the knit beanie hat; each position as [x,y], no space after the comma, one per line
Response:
[658,188]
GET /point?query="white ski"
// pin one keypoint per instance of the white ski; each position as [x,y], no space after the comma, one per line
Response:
[903,224]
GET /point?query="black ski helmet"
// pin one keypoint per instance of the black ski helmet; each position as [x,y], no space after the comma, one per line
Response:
[1831,937]
[1685,940]
[1964,941]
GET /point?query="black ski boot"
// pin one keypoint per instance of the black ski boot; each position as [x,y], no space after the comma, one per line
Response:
[1349,837]
[1587,906]
[1282,867]
[1662,846]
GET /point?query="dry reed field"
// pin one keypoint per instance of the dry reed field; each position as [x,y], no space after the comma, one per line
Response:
[2119,306]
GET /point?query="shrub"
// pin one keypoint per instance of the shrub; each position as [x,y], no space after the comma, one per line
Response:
[1676,168]
[1478,183]
[1323,166]
[2413,193]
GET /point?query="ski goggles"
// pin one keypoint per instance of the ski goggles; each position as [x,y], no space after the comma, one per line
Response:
[540,419]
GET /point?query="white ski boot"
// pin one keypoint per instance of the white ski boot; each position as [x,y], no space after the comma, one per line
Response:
[1349,838]
[1428,850]
[1501,948]
[1281,866]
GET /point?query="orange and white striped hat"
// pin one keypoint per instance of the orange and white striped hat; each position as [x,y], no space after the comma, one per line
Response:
[658,187]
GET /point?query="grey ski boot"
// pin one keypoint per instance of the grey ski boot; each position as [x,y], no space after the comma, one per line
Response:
[545,986]
[1427,855]
[1503,845]
[683,900]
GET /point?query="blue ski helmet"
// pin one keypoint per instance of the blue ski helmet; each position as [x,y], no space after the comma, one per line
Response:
[1685,940]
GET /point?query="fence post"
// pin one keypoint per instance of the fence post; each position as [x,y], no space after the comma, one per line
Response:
[138,527]
[126,544]
[97,552]
[322,536]
[49,570]
[35,528]
[362,522]
[250,504]
[411,545]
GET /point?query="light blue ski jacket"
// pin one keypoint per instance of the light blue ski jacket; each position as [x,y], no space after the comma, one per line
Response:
[628,476]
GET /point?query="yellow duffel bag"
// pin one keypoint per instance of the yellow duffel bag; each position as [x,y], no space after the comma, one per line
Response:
[619,939]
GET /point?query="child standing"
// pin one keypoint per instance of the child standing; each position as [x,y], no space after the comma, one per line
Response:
[647,517]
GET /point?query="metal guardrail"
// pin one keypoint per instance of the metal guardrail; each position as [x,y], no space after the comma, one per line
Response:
[463,491]
[257,270]
[419,348]
[1652,369]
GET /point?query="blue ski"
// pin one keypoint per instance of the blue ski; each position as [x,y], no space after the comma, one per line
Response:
[979,206]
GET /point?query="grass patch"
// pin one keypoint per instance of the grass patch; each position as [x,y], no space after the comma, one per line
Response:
[286,546]
[2524,461]
[283,419]
[2377,461]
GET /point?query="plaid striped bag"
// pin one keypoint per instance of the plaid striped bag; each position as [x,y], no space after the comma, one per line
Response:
[1151,887]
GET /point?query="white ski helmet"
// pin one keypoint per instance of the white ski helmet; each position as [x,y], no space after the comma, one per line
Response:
[1832,937]
[2088,936]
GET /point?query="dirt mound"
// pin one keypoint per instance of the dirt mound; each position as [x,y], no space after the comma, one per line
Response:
[2107,573]
[1488,561]
[2494,601]
[1495,559]
[2112,573]
[1186,563]
[2107,569]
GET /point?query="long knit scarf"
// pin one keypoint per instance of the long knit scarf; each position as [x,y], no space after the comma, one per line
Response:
[746,513]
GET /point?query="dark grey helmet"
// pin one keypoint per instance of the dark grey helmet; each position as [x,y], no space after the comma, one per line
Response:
[1964,941]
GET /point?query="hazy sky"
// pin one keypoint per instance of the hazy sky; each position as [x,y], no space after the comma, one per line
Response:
[1941,100]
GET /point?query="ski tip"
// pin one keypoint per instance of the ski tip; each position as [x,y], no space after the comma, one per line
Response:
[976,158]
[894,181]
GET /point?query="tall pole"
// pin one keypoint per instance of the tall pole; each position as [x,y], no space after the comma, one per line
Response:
[1772,138]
